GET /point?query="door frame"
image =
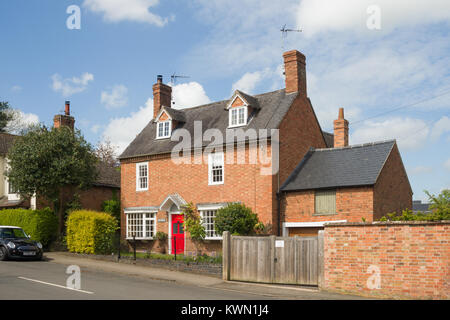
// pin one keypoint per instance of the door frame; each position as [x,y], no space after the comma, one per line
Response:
[169,231]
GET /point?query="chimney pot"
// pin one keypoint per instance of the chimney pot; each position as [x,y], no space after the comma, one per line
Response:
[295,72]
[67,110]
[162,95]
[340,130]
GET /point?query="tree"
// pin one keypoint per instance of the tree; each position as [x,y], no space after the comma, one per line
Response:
[6,115]
[237,219]
[50,163]
[107,153]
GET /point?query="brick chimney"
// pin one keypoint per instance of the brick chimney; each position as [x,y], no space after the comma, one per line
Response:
[340,130]
[65,119]
[162,96]
[295,72]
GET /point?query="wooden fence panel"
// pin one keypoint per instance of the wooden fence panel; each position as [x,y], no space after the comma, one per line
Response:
[289,260]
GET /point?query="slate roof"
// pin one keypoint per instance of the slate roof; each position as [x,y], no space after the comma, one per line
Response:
[107,176]
[249,99]
[329,139]
[417,206]
[272,108]
[358,165]
[175,114]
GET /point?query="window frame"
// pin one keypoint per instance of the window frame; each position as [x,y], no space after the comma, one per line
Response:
[211,181]
[230,116]
[214,209]
[163,124]
[316,194]
[145,221]
[138,176]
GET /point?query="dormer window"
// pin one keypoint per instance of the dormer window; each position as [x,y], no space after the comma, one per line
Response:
[164,129]
[239,107]
[238,116]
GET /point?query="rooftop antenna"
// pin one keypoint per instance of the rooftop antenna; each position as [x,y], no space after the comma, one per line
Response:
[173,80]
[284,33]
[174,77]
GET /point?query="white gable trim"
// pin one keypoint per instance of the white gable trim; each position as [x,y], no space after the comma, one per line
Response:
[163,110]
[235,96]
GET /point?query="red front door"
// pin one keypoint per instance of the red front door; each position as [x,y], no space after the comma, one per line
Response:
[177,234]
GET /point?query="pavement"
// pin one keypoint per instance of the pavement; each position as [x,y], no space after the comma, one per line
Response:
[46,280]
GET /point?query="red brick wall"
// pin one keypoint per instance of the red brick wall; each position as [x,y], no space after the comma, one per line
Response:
[299,130]
[392,191]
[243,182]
[413,259]
[90,199]
[352,204]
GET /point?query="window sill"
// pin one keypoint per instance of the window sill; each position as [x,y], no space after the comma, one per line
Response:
[128,238]
[324,214]
[213,238]
[236,126]
[216,184]
[141,190]
[162,138]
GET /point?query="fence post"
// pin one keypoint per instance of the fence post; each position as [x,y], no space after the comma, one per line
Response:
[296,258]
[321,258]
[118,247]
[226,255]
[272,258]
[175,247]
[134,246]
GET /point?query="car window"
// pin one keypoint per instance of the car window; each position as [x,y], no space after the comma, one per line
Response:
[12,233]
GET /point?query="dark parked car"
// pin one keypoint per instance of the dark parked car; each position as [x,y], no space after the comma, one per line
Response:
[15,243]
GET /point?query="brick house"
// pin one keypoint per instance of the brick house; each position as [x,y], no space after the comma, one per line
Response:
[154,186]
[344,184]
[104,187]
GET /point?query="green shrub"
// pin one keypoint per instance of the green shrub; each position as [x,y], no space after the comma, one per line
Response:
[237,219]
[161,236]
[440,210]
[41,225]
[112,207]
[193,223]
[90,232]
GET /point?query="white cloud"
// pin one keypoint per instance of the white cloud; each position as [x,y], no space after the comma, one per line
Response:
[249,81]
[95,128]
[127,10]
[188,95]
[441,127]
[70,86]
[117,98]
[315,16]
[121,131]
[410,133]
[21,121]
[420,170]
[16,88]
[447,164]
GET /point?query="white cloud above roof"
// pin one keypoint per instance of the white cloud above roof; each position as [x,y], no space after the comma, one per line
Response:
[127,10]
[70,86]
[116,98]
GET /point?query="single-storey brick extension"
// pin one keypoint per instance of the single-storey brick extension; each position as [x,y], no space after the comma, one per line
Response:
[313,182]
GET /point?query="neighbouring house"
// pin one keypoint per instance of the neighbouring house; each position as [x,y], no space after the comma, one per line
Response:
[9,198]
[344,184]
[182,156]
[418,206]
[106,185]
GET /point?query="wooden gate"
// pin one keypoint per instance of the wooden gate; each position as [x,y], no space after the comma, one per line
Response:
[284,260]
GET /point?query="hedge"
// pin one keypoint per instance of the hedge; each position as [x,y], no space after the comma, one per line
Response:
[41,225]
[90,232]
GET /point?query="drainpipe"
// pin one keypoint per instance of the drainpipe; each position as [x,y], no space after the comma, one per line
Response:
[279,213]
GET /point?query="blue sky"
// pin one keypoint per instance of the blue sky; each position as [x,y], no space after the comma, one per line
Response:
[107,68]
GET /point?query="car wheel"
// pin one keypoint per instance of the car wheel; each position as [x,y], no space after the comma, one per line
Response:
[3,254]
[39,257]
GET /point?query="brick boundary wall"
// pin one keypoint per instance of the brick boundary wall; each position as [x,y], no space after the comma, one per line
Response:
[413,259]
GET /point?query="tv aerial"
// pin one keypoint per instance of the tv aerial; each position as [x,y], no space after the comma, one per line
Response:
[284,33]
[174,77]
